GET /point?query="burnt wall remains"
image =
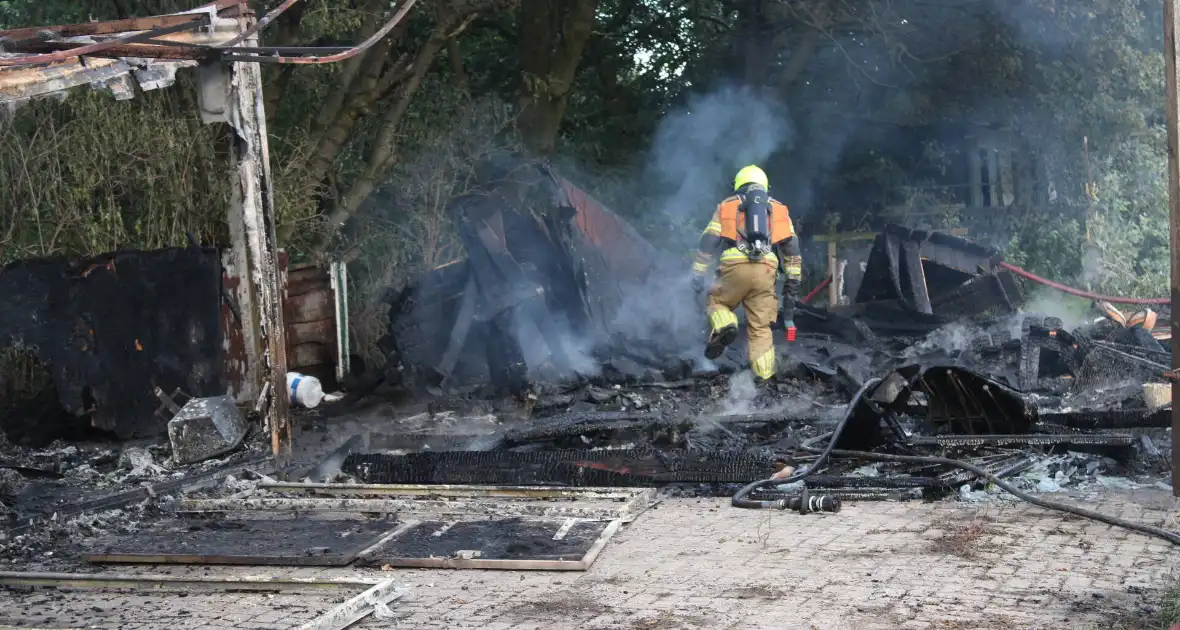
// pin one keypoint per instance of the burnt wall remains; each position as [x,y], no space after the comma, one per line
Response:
[110,329]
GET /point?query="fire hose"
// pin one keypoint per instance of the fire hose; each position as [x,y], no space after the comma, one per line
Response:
[814,292]
[1028,275]
[740,499]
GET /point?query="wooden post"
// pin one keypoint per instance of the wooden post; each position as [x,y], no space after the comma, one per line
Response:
[1171,29]
[833,290]
[252,216]
[975,164]
[838,280]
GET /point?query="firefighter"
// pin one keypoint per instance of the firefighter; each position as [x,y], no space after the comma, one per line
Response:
[756,239]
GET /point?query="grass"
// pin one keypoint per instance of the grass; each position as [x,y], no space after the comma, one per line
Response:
[965,541]
[1154,612]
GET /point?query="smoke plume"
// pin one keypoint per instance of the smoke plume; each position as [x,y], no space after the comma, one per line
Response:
[695,154]
[697,150]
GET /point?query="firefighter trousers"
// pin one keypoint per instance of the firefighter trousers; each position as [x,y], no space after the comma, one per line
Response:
[750,285]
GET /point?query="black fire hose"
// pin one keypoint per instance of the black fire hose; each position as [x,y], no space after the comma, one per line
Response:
[740,500]
[1150,530]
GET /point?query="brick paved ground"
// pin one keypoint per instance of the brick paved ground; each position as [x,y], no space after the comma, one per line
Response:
[701,564]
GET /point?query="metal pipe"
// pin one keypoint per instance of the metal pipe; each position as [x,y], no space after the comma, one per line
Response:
[260,24]
[348,54]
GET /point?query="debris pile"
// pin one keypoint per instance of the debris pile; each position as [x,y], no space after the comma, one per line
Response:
[952,367]
[953,389]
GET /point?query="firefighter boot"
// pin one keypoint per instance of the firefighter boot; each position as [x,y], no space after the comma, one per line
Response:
[724,331]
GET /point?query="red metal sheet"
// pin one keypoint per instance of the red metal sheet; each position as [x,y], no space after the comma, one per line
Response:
[625,252]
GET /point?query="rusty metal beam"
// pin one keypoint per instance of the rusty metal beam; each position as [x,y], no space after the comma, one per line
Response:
[1172,80]
[48,52]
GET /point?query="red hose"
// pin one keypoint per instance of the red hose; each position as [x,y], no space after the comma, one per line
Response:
[814,292]
[1078,292]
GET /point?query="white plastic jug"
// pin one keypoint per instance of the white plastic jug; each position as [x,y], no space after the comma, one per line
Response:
[306,391]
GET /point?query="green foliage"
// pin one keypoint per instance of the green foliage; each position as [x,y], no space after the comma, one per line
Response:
[1130,228]
[87,174]
[881,107]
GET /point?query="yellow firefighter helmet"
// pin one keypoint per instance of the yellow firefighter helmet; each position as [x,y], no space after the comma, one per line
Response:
[751,175]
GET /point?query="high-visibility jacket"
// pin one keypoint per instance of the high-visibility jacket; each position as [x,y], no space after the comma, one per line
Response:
[729,222]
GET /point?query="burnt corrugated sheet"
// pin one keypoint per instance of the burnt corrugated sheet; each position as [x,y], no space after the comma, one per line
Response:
[422,317]
[113,327]
[612,258]
[625,253]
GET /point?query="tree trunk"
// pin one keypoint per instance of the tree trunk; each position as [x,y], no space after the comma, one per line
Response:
[383,151]
[805,50]
[753,49]
[458,75]
[552,36]
[360,94]
[287,34]
[341,109]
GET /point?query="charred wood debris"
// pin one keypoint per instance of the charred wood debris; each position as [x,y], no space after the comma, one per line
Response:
[566,350]
[561,306]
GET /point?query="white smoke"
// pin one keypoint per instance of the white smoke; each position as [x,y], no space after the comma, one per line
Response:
[1073,312]
[697,150]
[740,397]
[695,154]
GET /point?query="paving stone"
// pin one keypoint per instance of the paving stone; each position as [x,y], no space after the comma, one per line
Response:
[700,564]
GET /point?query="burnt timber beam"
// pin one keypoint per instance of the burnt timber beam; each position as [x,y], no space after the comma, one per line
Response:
[1171,31]
[238,87]
[148,51]
[100,28]
[180,583]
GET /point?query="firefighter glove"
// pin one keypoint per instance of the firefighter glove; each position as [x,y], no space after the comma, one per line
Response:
[698,282]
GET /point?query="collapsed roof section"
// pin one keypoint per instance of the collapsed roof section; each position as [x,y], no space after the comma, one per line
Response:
[916,281]
[57,64]
[547,266]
